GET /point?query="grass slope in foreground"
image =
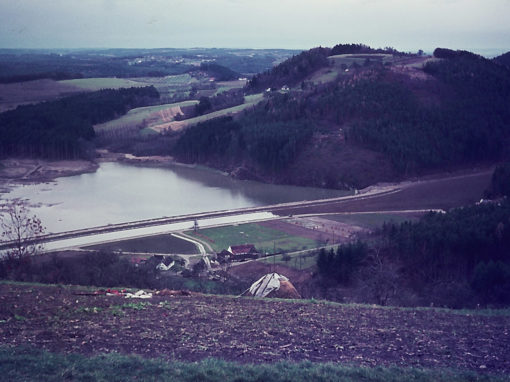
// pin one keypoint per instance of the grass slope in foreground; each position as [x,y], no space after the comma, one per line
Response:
[30,364]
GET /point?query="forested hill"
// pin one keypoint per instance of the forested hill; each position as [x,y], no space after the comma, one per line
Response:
[339,119]
[63,129]
[297,68]
[504,59]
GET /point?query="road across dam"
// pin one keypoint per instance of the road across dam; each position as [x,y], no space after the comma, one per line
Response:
[205,215]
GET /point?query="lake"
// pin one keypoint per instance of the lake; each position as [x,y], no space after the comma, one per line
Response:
[119,192]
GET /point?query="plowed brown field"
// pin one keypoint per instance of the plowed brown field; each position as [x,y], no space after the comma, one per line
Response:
[249,330]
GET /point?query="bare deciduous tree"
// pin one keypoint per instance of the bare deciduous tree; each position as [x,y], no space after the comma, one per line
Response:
[20,230]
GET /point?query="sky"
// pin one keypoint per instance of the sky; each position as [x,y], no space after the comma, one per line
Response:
[406,25]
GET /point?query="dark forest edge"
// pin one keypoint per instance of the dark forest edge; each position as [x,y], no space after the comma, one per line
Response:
[458,258]
[63,129]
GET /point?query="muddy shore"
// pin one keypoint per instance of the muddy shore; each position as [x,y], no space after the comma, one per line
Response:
[15,171]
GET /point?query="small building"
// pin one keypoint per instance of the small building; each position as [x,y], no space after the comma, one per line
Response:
[285,88]
[243,252]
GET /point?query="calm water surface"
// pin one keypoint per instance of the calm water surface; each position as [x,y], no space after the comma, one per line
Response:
[118,193]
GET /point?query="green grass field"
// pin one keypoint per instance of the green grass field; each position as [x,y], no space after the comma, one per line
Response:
[31,364]
[135,117]
[249,101]
[293,260]
[373,220]
[349,59]
[223,86]
[104,83]
[265,239]
[162,244]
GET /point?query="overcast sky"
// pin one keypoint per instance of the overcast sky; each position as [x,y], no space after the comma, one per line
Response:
[297,24]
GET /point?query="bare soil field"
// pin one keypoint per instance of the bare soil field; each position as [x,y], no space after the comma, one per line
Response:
[194,327]
[22,93]
[440,192]
[316,228]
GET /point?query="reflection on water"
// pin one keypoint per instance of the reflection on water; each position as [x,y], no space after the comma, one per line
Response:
[119,193]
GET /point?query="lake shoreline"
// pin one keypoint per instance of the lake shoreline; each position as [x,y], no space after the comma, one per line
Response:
[18,171]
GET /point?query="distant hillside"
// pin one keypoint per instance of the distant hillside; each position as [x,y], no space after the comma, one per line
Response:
[18,65]
[351,119]
[219,72]
[504,59]
[291,71]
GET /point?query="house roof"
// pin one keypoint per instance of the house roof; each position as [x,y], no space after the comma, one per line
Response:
[241,249]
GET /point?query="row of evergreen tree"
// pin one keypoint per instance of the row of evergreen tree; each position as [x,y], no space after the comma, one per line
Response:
[270,144]
[465,249]
[63,129]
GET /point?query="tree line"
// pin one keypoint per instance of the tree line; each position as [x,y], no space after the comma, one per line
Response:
[271,145]
[63,129]
[459,258]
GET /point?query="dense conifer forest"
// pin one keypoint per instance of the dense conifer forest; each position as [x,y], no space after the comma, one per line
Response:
[63,129]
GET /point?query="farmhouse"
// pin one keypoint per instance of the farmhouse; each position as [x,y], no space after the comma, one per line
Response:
[242,252]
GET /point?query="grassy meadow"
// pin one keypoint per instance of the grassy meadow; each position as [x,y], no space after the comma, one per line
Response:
[265,239]
[373,220]
[94,84]
[136,117]
[178,125]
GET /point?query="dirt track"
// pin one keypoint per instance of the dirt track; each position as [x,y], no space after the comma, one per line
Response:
[248,330]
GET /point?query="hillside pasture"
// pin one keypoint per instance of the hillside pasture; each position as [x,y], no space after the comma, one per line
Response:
[94,84]
[374,220]
[179,125]
[141,118]
[360,59]
[29,92]
[324,75]
[223,86]
[265,239]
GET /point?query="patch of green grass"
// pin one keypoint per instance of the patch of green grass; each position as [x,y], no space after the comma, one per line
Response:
[293,260]
[103,83]
[373,220]
[31,364]
[249,101]
[265,239]
[163,244]
[136,117]
[136,305]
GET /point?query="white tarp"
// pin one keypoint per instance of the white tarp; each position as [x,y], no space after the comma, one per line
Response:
[163,267]
[266,284]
